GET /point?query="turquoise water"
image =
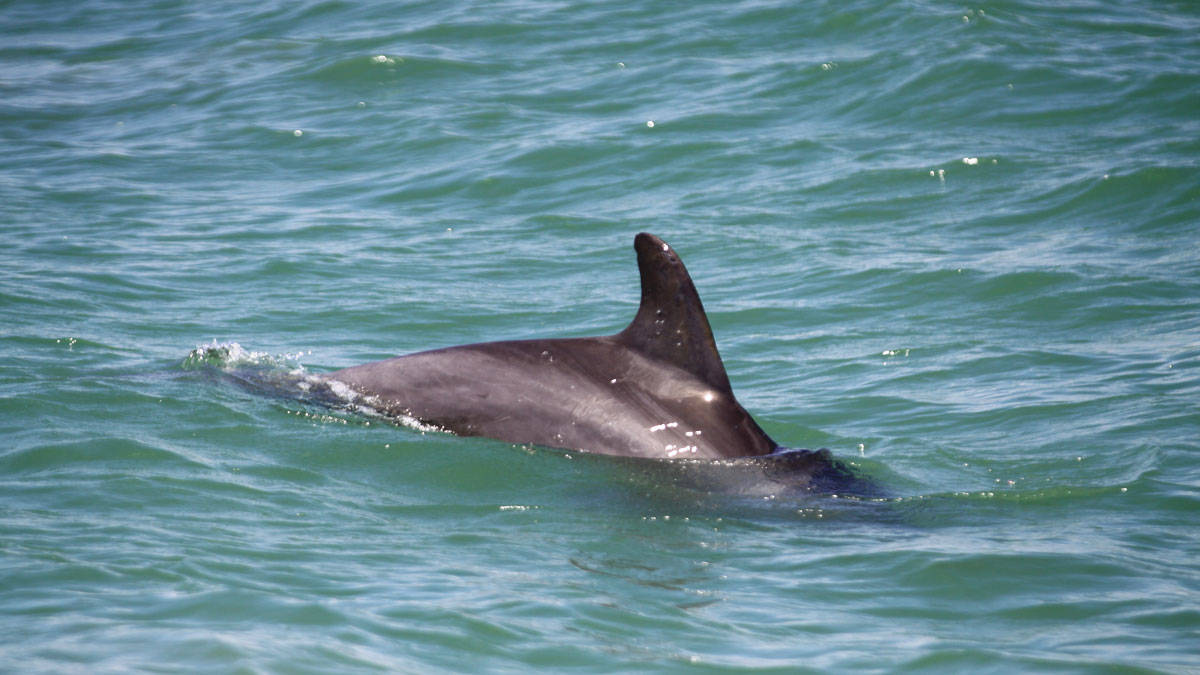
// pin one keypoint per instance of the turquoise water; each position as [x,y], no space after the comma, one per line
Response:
[957,245]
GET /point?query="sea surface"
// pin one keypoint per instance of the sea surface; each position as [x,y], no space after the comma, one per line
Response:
[956,244]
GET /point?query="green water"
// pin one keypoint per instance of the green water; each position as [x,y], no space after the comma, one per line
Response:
[956,245]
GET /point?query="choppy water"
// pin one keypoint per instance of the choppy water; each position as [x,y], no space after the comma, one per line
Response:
[957,245]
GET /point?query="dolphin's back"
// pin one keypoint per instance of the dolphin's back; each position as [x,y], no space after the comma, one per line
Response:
[656,389]
[591,394]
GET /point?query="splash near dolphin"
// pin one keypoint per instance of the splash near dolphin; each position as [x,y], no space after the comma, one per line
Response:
[657,389]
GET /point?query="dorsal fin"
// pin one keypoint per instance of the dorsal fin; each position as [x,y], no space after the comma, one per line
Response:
[670,324]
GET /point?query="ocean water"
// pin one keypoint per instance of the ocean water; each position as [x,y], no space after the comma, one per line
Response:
[955,244]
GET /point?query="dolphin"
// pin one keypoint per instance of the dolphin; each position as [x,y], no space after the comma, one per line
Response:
[657,389]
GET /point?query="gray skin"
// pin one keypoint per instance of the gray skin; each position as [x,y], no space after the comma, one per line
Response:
[657,389]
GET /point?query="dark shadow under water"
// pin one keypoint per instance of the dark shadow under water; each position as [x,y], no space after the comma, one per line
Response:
[785,472]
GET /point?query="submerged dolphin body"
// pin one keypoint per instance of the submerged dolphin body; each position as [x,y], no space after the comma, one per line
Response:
[657,389]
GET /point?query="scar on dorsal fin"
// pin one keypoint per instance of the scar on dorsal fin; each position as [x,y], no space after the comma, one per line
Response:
[670,324]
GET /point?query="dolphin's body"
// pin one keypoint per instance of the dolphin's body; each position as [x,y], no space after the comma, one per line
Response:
[657,389]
